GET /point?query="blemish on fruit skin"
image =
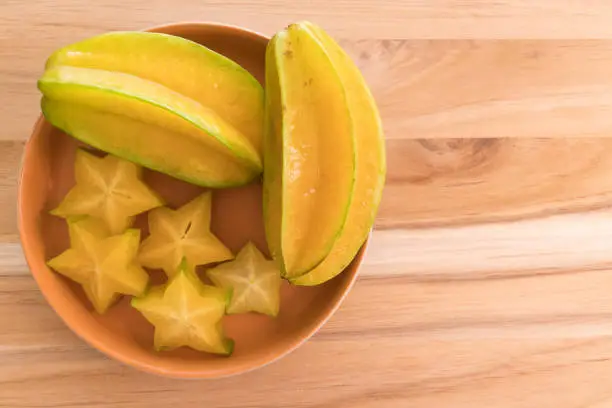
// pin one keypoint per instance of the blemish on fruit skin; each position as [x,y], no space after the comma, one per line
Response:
[288,54]
[187,229]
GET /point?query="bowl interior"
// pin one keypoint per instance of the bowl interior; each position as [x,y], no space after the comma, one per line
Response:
[47,175]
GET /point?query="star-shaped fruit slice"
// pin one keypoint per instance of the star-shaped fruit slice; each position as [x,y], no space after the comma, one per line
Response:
[254,282]
[104,265]
[108,188]
[186,312]
[182,233]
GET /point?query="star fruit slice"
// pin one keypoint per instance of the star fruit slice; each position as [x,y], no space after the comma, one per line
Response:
[186,312]
[254,281]
[104,265]
[108,188]
[182,233]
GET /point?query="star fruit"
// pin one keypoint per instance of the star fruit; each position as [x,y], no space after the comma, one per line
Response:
[182,233]
[108,188]
[186,312]
[104,265]
[254,281]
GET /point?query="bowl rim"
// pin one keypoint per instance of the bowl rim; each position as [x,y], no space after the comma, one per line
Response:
[200,372]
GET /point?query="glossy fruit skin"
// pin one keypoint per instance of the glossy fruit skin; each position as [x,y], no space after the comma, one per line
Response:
[181,65]
[310,151]
[148,145]
[74,99]
[370,166]
[272,175]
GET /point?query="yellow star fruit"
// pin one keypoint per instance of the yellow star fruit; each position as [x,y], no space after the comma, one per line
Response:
[182,233]
[104,265]
[186,312]
[254,281]
[108,188]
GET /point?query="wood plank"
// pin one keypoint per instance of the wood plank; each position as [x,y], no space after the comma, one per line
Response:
[364,18]
[439,340]
[451,181]
[486,89]
[570,242]
[530,373]
[10,162]
[425,89]
[570,303]
[455,181]
[550,245]
[487,282]
[474,277]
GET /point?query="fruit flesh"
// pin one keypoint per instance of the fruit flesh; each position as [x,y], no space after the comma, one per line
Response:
[104,265]
[149,102]
[182,233]
[317,152]
[107,188]
[149,146]
[185,312]
[179,64]
[253,280]
[370,166]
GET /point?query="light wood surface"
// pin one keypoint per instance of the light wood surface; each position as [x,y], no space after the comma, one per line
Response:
[489,279]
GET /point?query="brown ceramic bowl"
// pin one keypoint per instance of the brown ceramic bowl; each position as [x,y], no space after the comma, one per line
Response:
[122,333]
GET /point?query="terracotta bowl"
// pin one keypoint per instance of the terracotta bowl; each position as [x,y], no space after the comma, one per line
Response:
[122,333]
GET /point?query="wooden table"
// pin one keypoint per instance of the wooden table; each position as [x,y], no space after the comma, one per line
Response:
[489,279]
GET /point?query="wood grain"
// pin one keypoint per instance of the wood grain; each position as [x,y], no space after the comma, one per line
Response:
[453,181]
[363,18]
[482,89]
[488,282]
[424,89]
